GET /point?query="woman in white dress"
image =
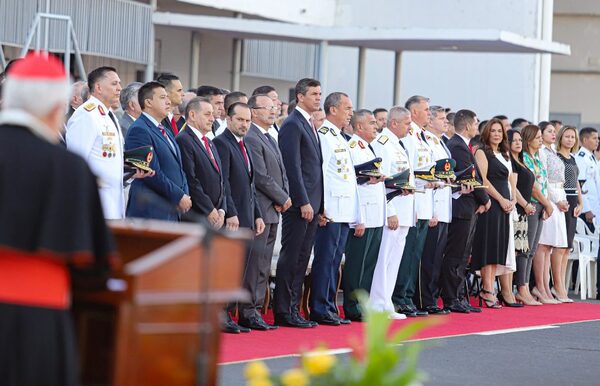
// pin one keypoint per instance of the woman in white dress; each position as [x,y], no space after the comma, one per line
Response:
[554,232]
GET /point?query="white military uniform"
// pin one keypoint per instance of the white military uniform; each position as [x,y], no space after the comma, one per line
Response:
[394,160]
[339,179]
[588,172]
[92,134]
[442,197]
[371,196]
[420,155]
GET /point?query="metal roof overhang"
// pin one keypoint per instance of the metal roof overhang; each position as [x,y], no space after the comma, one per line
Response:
[397,39]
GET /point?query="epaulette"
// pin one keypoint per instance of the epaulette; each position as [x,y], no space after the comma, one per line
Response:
[581,154]
[89,106]
[383,139]
[352,144]
[323,130]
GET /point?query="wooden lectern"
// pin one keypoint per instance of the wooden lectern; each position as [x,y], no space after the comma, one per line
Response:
[157,322]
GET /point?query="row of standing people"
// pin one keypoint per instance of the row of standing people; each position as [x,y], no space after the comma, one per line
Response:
[251,175]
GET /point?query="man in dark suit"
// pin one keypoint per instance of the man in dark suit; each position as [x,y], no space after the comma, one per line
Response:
[201,163]
[242,208]
[231,98]
[465,206]
[216,96]
[165,195]
[299,145]
[174,88]
[272,189]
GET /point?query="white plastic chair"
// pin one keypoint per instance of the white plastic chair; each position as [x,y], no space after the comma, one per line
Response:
[583,229]
[583,247]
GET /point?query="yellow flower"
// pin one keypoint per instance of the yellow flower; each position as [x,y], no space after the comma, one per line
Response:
[294,377]
[318,363]
[256,370]
[260,382]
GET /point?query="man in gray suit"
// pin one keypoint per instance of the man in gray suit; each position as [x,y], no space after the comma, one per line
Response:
[130,105]
[272,190]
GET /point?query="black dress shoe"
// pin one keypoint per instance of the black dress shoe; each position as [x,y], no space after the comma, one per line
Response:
[339,318]
[289,321]
[457,307]
[475,310]
[325,319]
[413,308]
[300,319]
[254,324]
[406,310]
[230,327]
[355,318]
[435,310]
[244,330]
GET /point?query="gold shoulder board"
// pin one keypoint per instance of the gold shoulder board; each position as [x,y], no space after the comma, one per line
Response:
[383,139]
[89,106]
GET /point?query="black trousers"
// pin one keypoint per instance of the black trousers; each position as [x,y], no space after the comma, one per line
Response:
[297,239]
[431,265]
[257,271]
[454,263]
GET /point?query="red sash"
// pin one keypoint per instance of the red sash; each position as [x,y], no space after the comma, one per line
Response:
[33,280]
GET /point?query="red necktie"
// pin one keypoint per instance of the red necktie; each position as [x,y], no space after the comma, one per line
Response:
[243,149]
[312,125]
[174,125]
[471,148]
[164,133]
[210,154]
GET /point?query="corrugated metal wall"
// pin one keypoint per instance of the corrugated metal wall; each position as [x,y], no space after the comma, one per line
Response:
[279,60]
[116,29]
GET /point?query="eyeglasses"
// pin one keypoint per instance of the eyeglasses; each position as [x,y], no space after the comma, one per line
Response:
[265,108]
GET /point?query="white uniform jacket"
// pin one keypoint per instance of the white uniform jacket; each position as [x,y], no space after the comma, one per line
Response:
[442,197]
[371,197]
[420,155]
[395,160]
[92,134]
[339,180]
[588,172]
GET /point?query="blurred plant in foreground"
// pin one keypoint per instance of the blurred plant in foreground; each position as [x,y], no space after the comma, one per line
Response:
[380,360]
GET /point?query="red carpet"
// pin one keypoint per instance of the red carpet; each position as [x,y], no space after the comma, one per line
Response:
[289,341]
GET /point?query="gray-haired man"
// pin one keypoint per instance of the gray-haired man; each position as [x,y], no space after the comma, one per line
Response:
[130,105]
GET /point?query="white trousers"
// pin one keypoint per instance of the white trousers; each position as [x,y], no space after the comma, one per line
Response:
[386,269]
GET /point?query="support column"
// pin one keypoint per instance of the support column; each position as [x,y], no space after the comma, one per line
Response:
[397,77]
[195,59]
[236,66]
[360,88]
[149,74]
[2,58]
[545,61]
[321,65]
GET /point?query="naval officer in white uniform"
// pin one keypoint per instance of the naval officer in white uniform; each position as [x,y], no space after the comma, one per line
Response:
[362,249]
[400,211]
[421,156]
[437,235]
[340,209]
[93,132]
